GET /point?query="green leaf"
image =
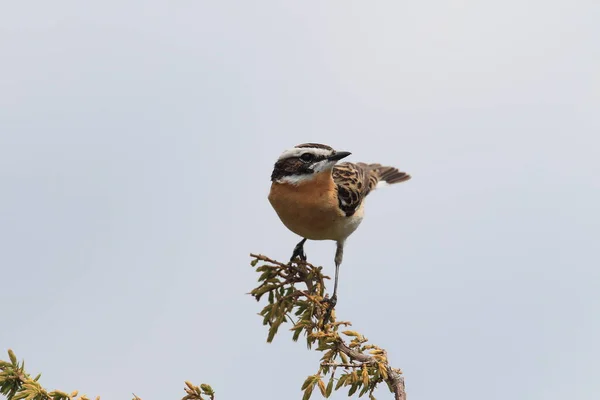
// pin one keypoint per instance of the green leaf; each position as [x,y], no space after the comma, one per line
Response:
[13,358]
[341,381]
[265,275]
[307,393]
[207,390]
[259,291]
[307,382]
[20,395]
[344,358]
[275,327]
[353,388]
[297,333]
[300,307]
[382,371]
[275,310]
[266,309]
[328,355]
[329,388]
[321,385]
[365,375]
[364,390]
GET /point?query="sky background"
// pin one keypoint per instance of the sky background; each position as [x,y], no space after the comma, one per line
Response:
[136,146]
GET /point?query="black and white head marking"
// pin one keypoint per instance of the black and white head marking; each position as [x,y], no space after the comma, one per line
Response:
[300,163]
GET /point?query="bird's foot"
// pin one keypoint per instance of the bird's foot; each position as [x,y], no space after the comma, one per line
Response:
[299,252]
[331,302]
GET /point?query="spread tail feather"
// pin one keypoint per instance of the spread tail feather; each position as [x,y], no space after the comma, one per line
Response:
[391,175]
[380,175]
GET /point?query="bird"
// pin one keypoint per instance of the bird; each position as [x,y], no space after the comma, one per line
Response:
[318,198]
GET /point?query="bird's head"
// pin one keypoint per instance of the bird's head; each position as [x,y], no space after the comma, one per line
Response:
[304,161]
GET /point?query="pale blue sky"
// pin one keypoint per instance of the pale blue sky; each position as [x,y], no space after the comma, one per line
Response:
[136,146]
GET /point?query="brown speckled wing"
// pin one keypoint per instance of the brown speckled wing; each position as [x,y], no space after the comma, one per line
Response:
[355,181]
[352,184]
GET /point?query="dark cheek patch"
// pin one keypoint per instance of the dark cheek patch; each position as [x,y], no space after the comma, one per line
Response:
[290,166]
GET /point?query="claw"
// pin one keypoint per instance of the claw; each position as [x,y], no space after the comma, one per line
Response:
[331,302]
[299,251]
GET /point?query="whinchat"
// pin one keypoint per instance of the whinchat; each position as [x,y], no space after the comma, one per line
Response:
[319,199]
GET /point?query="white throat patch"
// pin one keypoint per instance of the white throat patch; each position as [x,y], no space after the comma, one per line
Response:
[295,179]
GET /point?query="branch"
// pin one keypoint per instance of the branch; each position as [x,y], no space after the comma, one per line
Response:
[364,366]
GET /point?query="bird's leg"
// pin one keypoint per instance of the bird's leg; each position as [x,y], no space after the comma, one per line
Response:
[339,255]
[299,251]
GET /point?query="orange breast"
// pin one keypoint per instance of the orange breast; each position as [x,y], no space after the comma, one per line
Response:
[309,209]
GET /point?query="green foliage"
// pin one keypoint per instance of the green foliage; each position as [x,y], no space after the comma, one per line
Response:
[16,384]
[295,295]
[196,393]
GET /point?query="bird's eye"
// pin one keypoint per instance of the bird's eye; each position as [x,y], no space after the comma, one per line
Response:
[307,157]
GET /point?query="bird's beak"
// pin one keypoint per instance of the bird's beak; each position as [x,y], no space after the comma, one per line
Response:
[339,155]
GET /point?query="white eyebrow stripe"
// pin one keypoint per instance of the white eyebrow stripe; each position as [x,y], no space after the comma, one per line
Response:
[297,152]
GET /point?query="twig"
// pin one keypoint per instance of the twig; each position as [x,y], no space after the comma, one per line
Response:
[394,380]
[342,365]
[319,326]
